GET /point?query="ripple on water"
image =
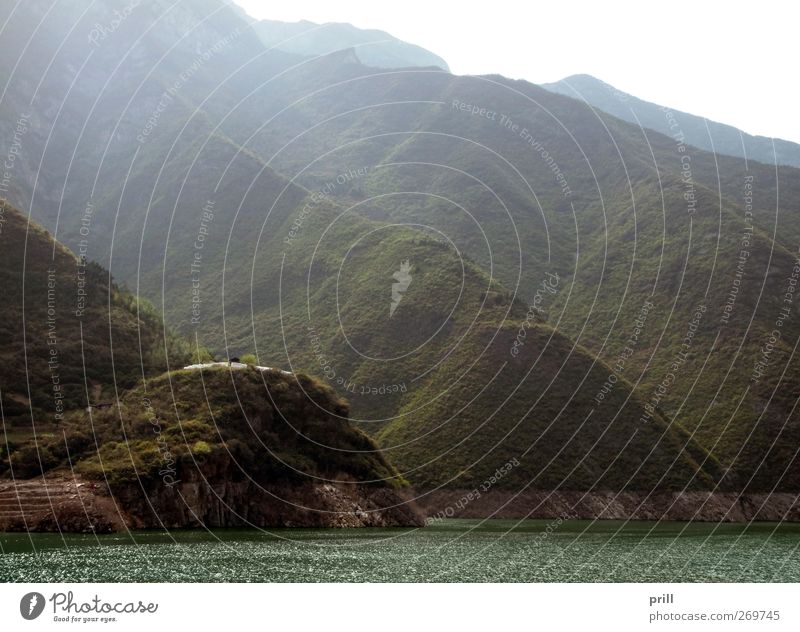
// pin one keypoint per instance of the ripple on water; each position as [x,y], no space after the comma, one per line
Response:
[452,551]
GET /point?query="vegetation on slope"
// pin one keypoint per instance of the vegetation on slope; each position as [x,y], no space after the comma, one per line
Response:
[619,239]
[534,418]
[490,177]
[69,336]
[246,423]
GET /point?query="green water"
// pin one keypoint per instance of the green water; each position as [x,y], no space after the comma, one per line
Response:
[449,551]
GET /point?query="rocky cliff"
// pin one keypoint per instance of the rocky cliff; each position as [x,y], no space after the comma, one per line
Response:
[80,506]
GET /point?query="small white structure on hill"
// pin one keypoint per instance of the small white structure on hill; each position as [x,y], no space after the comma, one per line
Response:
[232,365]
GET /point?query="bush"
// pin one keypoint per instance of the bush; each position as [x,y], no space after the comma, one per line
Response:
[248,358]
[201,447]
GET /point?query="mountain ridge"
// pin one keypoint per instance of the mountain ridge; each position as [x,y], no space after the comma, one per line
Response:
[372,47]
[699,131]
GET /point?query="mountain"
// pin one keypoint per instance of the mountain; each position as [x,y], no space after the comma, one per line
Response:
[529,182]
[532,418]
[617,213]
[372,48]
[698,131]
[400,236]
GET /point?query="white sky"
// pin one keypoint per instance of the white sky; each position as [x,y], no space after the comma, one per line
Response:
[733,62]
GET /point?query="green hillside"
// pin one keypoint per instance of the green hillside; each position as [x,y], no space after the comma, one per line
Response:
[619,234]
[432,364]
[534,418]
[68,334]
[231,424]
[275,200]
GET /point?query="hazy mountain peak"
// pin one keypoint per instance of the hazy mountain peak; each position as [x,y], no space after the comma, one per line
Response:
[698,131]
[373,48]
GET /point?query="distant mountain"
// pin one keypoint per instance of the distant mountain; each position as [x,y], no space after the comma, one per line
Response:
[373,48]
[698,131]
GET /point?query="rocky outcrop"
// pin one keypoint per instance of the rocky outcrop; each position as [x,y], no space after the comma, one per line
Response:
[58,504]
[247,504]
[684,506]
[80,506]
[216,493]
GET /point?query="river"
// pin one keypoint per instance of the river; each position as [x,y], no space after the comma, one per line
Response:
[447,551]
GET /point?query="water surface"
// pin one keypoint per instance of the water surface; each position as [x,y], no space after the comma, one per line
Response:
[448,551]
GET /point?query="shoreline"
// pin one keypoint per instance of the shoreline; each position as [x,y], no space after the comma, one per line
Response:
[75,506]
[694,506]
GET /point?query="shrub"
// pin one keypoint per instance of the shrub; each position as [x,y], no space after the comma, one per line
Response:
[248,358]
[201,447]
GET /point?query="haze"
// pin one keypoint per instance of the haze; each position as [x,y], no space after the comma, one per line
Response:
[731,62]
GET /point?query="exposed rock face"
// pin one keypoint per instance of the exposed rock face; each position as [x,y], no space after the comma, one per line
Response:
[78,506]
[57,504]
[245,504]
[85,507]
[215,493]
[699,506]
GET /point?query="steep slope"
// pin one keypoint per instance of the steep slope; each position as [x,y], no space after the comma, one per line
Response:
[96,90]
[69,335]
[530,421]
[700,132]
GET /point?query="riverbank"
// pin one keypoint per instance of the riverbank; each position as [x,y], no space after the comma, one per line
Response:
[74,505]
[575,505]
